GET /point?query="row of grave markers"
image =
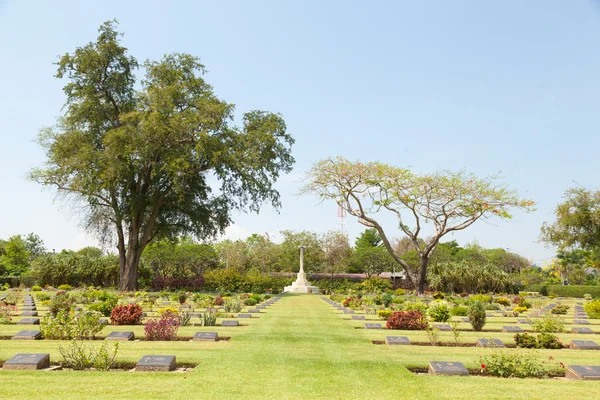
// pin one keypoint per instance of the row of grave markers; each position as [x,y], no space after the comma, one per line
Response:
[159,363]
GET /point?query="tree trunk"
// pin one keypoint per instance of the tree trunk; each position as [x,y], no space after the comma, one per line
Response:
[422,275]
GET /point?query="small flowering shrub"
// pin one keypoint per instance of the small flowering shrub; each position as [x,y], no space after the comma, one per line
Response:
[503,301]
[562,310]
[68,325]
[439,311]
[65,287]
[218,301]
[477,315]
[548,323]
[543,341]
[36,288]
[520,310]
[209,318]
[525,341]
[407,320]
[167,310]
[126,314]
[438,295]
[410,306]
[387,299]
[519,365]
[61,302]
[164,328]
[459,311]
[233,305]
[250,301]
[6,310]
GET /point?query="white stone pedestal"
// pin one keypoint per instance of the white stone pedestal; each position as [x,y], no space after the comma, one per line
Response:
[301,285]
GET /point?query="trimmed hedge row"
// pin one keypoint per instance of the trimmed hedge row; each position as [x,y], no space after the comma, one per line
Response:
[565,291]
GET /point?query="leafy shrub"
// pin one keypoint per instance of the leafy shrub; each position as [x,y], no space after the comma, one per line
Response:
[185,318]
[164,328]
[65,287]
[376,285]
[79,357]
[384,314]
[518,300]
[587,296]
[439,311]
[525,303]
[477,315]
[6,311]
[233,305]
[189,283]
[483,298]
[43,296]
[548,341]
[518,365]
[218,301]
[410,306]
[503,301]
[407,320]
[166,310]
[492,307]
[399,292]
[560,309]
[61,302]
[593,309]
[36,288]
[68,325]
[108,301]
[525,340]
[181,297]
[209,318]
[459,311]
[250,301]
[387,299]
[520,310]
[438,295]
[126,314]
[548,323]
[567,290]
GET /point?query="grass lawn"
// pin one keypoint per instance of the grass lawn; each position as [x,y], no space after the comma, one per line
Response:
[300,348]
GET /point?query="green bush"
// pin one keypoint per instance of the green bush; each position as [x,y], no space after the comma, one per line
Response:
[65,287]
[68,325]
[477,315]
[439,311]
[384,314]
[560,309]
[525,341]
[233,305]
[548,341]
[409,306]
[376,285]
[61,302]
[459,311]
[438,295]
[36,288]
[43,296]
[548,323]
[250,301]
[481,297]
[79,357]
[387,299]
[593,309]
[517,365]
[105,307]
[566,290]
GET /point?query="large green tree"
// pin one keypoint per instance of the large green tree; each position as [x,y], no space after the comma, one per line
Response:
[370,256]
[140,162]
[450,201]
[577,224]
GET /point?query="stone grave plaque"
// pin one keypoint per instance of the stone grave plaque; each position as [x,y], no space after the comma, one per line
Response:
[583,331]
[116,335]
[489,314]
[104,321]
[244,316]
[443,327]
[156,363]
[28,361]
[581,316]
[584,345]
[372,326]
[523,321]
[447,368]
[465,319]
[583,372]
[348,311]
[581,322]
[489,343]
[195,315]
[261,307]
[27,335]
[358,317]
[399,340]
[512,329]
[206,336]
[253,311]
[230,323]
[29,308]
[29,314]
[29,321]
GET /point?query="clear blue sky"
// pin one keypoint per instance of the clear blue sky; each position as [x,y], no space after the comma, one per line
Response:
[507,86]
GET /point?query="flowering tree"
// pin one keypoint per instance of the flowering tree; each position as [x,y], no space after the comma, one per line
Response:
[450,201]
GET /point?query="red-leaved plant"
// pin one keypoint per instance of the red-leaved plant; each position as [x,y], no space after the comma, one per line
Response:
[164,328]
[407,320]
[126,314]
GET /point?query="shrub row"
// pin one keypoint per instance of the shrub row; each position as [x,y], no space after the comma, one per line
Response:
[566,290]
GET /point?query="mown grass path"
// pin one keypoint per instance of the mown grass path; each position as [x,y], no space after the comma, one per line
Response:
[301,348]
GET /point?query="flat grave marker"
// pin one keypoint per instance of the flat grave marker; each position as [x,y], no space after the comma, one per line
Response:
[584,345]
[358,317]
[523,321]
[512,329]
[254,311]
[244,316]
[27,335]
[206,336]
[29,314]
[582,331]
[348,311]
[29,321]
[156,363]
[230,323]
[489,343]
[443,327]
[583,372]
[397,340]
[373,326]
[581,322]
[465,319]
[28,361]
[118,335]
[447,368]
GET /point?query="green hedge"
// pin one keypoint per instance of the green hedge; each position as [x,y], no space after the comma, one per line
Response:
[565,291]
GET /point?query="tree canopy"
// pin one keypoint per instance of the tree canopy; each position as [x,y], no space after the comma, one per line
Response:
[139,163]
[449,201]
